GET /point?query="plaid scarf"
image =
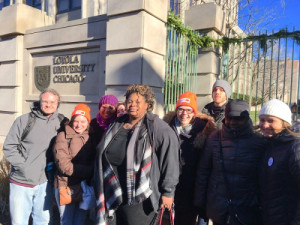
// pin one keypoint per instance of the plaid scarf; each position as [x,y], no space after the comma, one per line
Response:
[137,173]
[139,162]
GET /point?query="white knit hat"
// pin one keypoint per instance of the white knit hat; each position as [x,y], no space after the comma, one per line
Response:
[278,109]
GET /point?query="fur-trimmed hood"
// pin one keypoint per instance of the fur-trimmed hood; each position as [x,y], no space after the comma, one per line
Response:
[202,134]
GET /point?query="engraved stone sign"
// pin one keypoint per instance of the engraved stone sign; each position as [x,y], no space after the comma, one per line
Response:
[42,77]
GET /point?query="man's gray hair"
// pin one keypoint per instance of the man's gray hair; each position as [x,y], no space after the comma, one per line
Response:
[52,91]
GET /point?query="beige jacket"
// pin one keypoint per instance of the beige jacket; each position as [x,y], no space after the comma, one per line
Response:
[74,157]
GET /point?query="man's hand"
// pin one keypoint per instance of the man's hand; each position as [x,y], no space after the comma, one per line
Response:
[166,202]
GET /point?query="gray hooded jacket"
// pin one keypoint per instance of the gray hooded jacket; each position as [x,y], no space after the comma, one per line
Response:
[28,166]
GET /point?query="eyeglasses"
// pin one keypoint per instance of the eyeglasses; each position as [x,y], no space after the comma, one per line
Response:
[188,111]
[49,103]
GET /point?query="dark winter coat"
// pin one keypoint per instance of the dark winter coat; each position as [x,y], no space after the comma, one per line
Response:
[242,152]
[96,132]
[74,156]
[165,163]
[280,180]
[218,115]
[190,146]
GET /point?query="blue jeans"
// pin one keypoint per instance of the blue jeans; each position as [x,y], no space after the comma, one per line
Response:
[70,214]
[36,201]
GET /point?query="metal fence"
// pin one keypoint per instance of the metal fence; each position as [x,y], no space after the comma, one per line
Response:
[262,69]
[181,69]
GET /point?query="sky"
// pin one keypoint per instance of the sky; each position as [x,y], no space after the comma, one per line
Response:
[277,14]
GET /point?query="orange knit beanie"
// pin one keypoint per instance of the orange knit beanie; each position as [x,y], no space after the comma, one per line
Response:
[188,99]
[82,109]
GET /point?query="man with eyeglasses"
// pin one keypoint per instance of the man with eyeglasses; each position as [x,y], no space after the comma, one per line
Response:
[221,92]
[28,148]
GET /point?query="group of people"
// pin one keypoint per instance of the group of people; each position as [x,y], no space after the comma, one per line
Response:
[210,164]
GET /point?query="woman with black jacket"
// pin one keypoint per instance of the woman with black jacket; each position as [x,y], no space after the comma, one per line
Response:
[280,174]
[137,165]
[192,130]
[227,175]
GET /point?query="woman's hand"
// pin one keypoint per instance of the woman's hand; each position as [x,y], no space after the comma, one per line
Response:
[166,202]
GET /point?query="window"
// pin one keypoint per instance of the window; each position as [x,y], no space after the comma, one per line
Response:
[4,3]
[34,3]
[68,5]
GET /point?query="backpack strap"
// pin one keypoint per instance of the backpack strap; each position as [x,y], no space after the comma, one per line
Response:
[29,125]
[61,117]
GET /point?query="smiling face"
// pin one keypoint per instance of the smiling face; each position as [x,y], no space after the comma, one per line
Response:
[136,106]
[121,110]
[185,114]
[107,111]
[270,125]
[80,124]
[49,103]
[219,96]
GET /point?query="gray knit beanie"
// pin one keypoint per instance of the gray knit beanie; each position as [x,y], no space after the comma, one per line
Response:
[225,85]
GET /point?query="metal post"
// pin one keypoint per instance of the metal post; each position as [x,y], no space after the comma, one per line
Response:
[271,66]
[292,70]
[284,76]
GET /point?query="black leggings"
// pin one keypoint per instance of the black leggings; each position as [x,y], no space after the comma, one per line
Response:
[138,214]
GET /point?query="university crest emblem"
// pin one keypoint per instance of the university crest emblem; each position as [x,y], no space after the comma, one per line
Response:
[42,77]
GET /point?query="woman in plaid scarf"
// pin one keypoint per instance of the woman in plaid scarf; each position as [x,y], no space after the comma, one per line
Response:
[137,165]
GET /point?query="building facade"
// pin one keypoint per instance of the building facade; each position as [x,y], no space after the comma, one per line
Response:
[82,48]
[87,48]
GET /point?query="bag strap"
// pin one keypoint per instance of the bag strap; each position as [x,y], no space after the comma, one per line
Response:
[29,126]
[27,129]
[160,216]
[61,117]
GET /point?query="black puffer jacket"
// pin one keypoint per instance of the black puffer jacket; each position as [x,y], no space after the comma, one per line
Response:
[280,180]
[242,152]
[190,146]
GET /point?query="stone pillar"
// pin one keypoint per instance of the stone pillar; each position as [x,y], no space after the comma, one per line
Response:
[50,8]
[91,8]
[207,18]
[21,17]
[136,46]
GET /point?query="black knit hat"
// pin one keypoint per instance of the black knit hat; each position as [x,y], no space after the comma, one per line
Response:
[237,107]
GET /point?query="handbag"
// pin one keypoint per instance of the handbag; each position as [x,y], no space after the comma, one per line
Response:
[161,221]
[70,194]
